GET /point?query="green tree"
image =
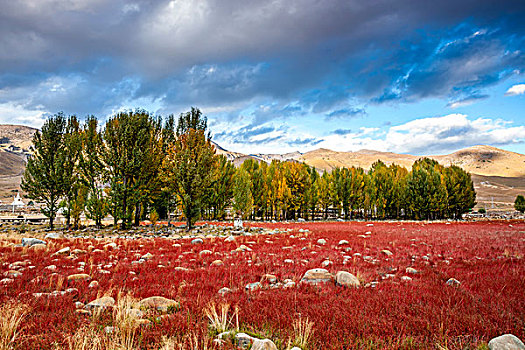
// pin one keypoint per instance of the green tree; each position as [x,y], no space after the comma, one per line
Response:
[188,166]
[132,157]
[242,193]
[461,196]
[221,187]
[519,203]
[43,178]
[93,170]
[71,180]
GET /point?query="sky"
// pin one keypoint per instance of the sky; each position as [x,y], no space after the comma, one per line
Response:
[406,76]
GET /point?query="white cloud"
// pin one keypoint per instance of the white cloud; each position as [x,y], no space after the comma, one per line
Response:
[11,113]
[518,89]
[451,132]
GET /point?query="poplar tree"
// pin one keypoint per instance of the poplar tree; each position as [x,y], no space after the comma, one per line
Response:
[188,166]
[43,178]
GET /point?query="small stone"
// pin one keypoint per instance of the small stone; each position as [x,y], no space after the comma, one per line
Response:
[251,287]
[147,256]
[93,284]
[63,251]
[326,263]
[217,263]
[79,277]
[38,246]
[229,239]
[506,342]
[315,276]
[5,281]
[453,282]
[406,279]
[343,242]
[78,251]
[224,290]
[111,245]
[205,252]
[197,241]
[321,241]
[387,252]
[54,235]
[411,270]
[346,279]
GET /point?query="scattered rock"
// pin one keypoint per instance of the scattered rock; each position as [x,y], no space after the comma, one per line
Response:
[224,290]
[243,340]
[197,241]
[453,282]
[406,279]
[54,235]
[321,241]
[100,303]
[343,242]
[506,342]
[28,242]
[346,279]
[387,252]
[63,251]
[159,303]
[411,270]
[79,277]
[147,256]
[251,287]
[217,263]
[264,344]
[315,276]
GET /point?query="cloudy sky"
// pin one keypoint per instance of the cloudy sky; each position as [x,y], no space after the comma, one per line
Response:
[409,76]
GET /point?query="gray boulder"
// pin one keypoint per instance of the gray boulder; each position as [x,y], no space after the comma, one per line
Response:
[28,242]
[506,342]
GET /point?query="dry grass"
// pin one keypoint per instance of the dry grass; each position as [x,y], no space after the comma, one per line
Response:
[11,315]
[190,342]
[303,330]
[86,338]
[218,317]
[125,324]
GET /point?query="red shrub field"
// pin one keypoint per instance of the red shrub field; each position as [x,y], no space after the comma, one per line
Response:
[387,311]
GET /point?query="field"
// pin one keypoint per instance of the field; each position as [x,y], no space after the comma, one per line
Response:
[387,311]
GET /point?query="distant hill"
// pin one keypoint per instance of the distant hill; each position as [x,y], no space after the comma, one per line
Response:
[498,175]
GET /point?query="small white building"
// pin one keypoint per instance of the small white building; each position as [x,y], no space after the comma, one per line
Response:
[17,202]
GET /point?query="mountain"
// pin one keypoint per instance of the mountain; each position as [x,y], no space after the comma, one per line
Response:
[498,175]
[479,160]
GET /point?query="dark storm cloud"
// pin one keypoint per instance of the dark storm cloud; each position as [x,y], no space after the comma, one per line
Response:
[94,56]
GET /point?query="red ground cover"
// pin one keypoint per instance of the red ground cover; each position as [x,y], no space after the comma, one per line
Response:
[486,257]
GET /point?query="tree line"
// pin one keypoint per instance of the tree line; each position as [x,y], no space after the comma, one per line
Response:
[139,166]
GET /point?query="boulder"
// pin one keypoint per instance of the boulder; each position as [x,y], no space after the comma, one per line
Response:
[100,303]
[346,279]
[54,235]
[315,276]
[263,344]
[79,277]
[243,340]
[63,251]
[159,303]
[28,242]
[506,342]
